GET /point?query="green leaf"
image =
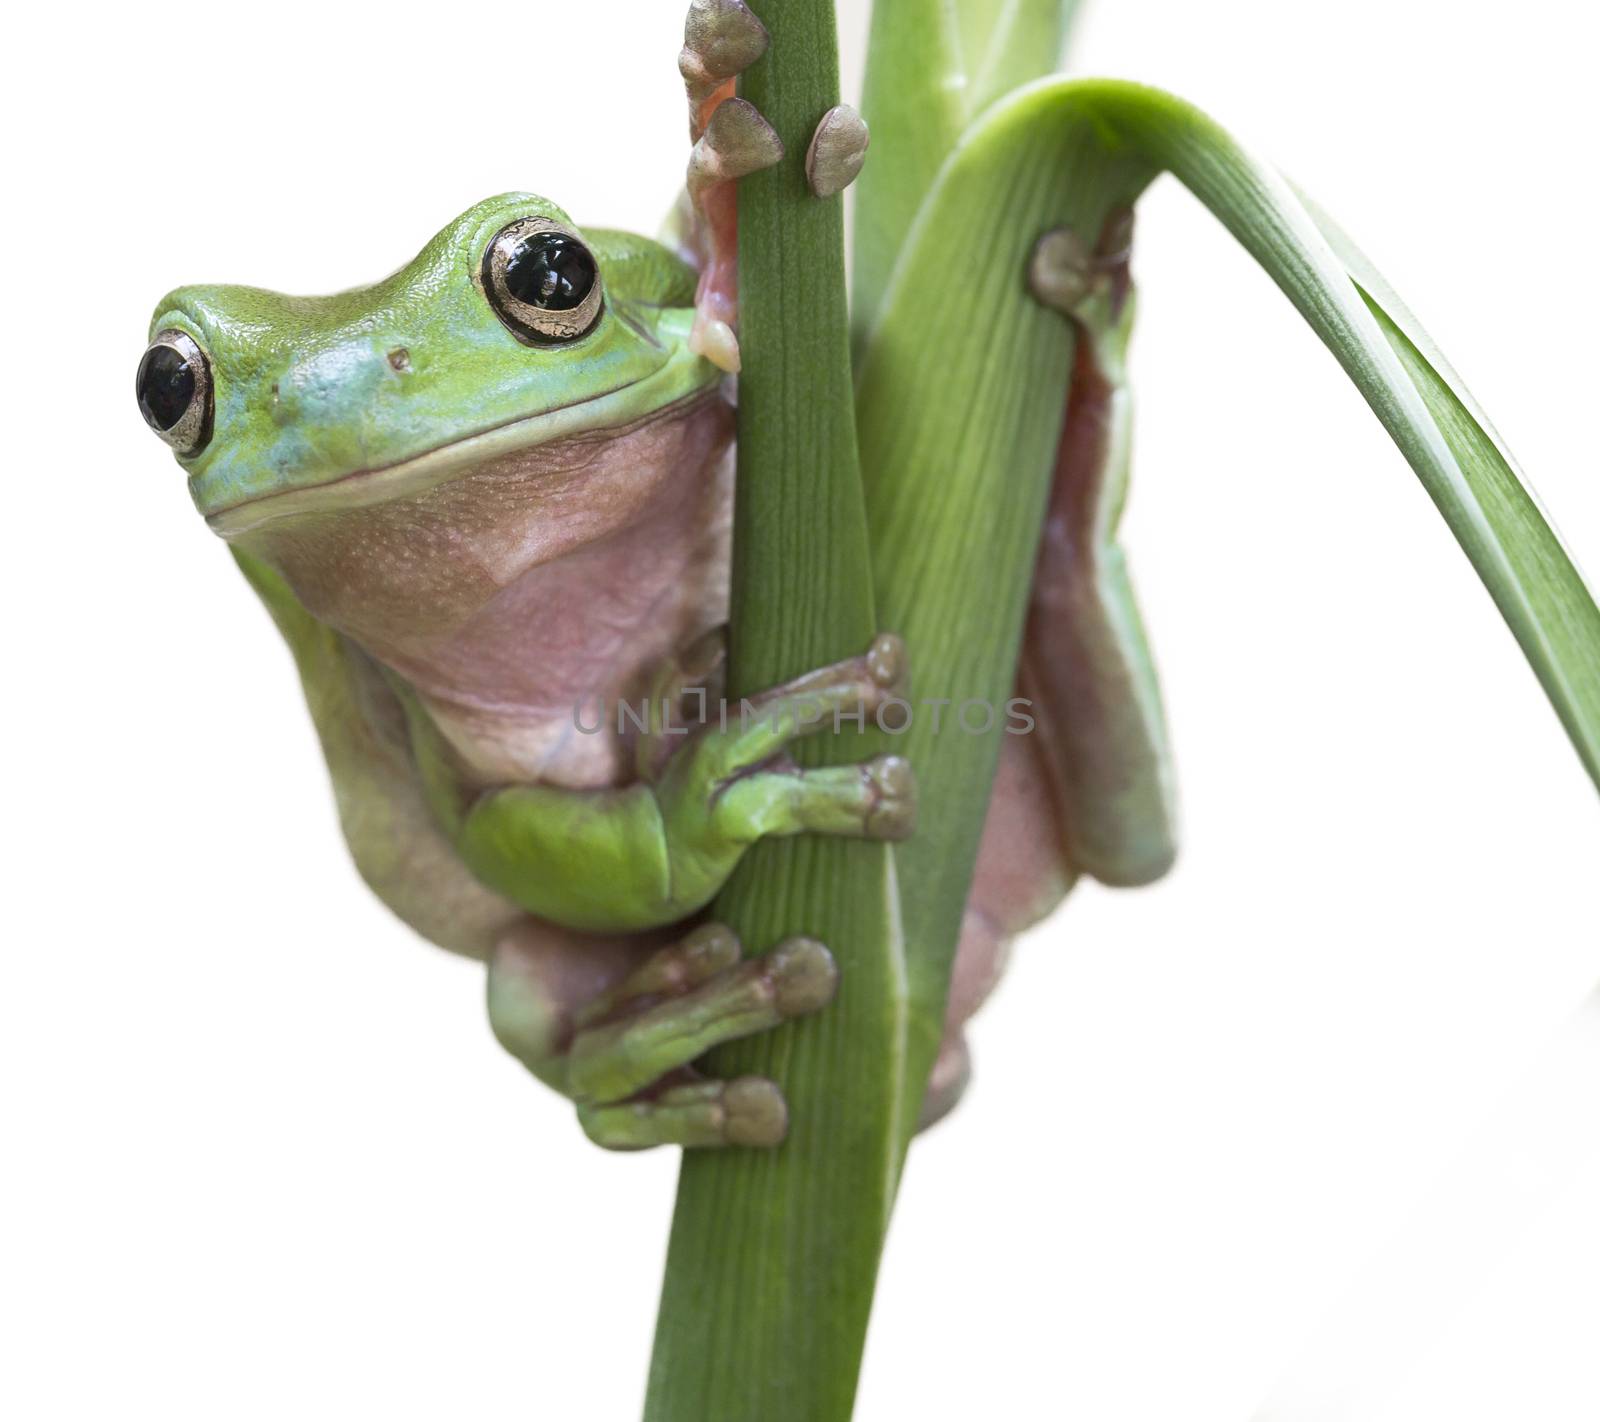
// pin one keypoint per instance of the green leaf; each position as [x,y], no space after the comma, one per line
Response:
[957,448]
[774,1254]
[932,66]
[1465,468]
[1528,569]
[959,406]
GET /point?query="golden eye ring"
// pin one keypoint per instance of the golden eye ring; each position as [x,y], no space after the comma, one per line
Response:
[542,282]
[173,388]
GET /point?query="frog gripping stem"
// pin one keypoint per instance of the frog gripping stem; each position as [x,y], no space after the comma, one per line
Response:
[721,39]
[629,1062]
[837,151]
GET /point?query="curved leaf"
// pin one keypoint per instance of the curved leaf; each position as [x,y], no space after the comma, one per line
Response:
[1472,479]
[956,449]
[933,66]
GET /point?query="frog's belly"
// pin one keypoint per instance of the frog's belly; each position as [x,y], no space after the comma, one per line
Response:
[598,625]
[520,598]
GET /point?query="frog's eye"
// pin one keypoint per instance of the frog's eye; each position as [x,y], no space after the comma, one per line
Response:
[174,390]
[542,282]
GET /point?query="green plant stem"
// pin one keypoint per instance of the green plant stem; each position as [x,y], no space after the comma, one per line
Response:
[774,1254]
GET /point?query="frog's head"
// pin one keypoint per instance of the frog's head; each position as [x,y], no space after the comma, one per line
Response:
[509,330]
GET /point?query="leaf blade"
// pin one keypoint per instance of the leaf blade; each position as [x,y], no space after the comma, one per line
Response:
[956,487]
[1060,152]
[1477,487]
[1532,543]
[932,65]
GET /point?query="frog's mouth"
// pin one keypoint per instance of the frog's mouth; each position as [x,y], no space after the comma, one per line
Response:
[665,391]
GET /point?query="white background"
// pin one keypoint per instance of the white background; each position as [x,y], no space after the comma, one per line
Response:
[264,1159]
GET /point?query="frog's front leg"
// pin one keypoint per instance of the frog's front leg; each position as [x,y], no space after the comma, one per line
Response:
[616,1023]
[652,852]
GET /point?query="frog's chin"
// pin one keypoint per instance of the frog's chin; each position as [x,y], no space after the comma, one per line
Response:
[656,395]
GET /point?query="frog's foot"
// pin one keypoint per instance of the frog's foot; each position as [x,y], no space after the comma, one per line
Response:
[721,39]
[626,1056]
[1085,667]
[1087,283]
[733,783]
[873,800]
[747,1111]
[736,143]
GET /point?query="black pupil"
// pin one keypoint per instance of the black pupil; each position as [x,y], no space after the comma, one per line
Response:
[550,271]
[165,386]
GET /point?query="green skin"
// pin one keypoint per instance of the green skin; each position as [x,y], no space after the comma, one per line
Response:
[465,539]
[349,430]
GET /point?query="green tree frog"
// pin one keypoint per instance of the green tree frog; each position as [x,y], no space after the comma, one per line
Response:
[487,501]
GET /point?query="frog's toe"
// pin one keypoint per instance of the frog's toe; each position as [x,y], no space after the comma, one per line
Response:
[803,976]
[715,339]
[737,142]
[887,662]
[641,1041]
[876,799]
[838,149]
[631,1073]
[754,1112]
[747,1111]
[892,786]
[721,39]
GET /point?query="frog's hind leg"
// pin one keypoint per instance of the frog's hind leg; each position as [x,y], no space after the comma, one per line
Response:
[616,1023]
[1085,666]
[1089,788]
[1020,876]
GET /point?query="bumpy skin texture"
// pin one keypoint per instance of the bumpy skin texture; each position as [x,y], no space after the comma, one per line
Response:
[466,540]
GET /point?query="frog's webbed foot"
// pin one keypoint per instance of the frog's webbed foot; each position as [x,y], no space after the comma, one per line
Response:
[626,1056]
[1091,286]
[875,799]
[721,39]
[650,853]
[734,783]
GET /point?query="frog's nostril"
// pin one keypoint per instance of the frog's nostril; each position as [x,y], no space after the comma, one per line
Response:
[276,408]
[400,359]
